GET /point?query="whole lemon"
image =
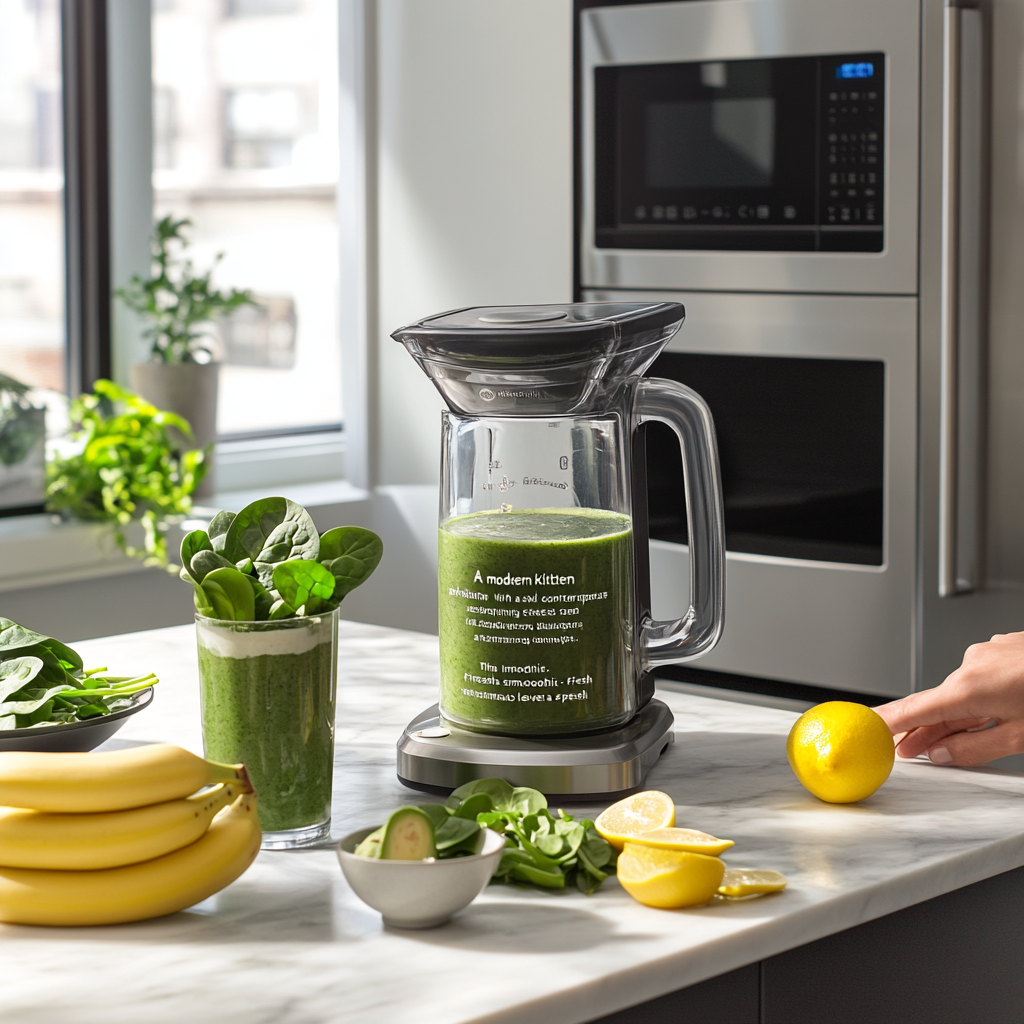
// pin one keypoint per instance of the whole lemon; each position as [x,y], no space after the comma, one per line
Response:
[842,752]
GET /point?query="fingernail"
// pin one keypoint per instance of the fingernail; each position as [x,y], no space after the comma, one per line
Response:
[940,755]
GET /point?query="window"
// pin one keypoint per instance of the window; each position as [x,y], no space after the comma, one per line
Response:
[32,343]
[246,147]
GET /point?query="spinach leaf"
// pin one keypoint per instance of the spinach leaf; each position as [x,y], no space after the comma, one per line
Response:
[14,637]
[202,602]
[281,609]
[270,531]
[18,672]
[219,530]
[437,813]
[498,790]
[191,544]
[31,703]
[204,562]
[263,600]
[351,554]
[301,582]
[230,594]
[478,803]
[526,800]
[454,831]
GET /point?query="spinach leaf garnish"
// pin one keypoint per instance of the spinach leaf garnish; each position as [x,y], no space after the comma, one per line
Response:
[289,569]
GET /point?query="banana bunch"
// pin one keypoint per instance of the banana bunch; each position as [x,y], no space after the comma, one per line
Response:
[120,836]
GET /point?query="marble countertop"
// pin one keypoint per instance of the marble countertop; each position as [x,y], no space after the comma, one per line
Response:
[289,943]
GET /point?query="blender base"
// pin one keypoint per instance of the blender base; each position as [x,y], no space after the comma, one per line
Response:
[437,756]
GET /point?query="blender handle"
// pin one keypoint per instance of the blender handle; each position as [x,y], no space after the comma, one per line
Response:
[696,632]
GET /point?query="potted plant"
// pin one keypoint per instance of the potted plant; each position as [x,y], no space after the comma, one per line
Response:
[122,467]
[22,447]
[181,306]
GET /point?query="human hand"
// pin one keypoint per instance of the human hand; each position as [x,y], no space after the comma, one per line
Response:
[948,721]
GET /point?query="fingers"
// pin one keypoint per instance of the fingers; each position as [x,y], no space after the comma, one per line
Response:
[928,707]
[973,748]
[917,741]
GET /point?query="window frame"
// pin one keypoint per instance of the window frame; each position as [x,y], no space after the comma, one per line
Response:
[100,342]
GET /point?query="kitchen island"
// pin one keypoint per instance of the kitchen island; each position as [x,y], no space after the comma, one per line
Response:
[289,943]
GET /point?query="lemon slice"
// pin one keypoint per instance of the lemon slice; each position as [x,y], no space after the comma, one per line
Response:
[668,879]
[636,814]
[739,882]
[685,840]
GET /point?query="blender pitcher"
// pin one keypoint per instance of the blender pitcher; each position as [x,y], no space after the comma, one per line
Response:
[543,546]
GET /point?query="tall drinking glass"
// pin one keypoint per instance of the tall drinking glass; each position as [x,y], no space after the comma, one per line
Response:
[268,697]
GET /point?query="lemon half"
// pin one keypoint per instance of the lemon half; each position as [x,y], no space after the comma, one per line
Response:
[668,879]
[641,812]
[842,752]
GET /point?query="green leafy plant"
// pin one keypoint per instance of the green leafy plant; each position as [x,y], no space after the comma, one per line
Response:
[269,562]
[43,682]
[22,424]
[181,303]
[552,851]
[127,469]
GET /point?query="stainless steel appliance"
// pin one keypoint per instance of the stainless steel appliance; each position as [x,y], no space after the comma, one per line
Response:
[546,638]
[814,180]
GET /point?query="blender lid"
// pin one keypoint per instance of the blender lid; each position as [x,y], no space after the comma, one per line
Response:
[555,333]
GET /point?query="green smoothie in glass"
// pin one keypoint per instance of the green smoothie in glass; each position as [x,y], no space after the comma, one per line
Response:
[268,693]
[536,620]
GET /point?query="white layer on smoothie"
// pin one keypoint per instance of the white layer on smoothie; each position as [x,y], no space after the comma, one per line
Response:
[228,642]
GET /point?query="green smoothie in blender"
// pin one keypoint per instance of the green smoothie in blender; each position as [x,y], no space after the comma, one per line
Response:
[536,620]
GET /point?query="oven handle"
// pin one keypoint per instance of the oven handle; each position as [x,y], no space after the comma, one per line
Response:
[964,215]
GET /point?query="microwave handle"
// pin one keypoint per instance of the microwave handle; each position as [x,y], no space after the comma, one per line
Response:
[696,632]
[962,317]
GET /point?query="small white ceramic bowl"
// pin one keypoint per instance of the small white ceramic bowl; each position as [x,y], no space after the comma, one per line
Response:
[418,893]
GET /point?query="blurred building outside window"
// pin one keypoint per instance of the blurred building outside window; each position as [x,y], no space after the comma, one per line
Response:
[32,330]
[246,147]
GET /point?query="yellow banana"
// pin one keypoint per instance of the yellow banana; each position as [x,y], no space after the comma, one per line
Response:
[138,891]
[114,781]
[108,839]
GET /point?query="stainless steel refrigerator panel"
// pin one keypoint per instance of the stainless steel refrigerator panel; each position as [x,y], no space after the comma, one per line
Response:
[949,624]
[713,30]
[849,627]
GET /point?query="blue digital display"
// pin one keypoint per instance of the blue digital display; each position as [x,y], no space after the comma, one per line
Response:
[864,70]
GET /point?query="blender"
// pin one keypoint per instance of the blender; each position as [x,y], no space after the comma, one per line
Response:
[547,641]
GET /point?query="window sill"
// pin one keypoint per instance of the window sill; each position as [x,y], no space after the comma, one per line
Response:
[270,462]
[42,550]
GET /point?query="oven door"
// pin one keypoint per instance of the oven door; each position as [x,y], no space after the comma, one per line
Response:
[732,144]
[815,407]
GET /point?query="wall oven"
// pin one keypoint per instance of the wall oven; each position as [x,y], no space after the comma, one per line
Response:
[811,178]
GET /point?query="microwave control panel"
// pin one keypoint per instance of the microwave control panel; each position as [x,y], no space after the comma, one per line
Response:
[776,154]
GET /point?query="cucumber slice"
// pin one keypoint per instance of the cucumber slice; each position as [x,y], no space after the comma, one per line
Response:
[370,846]
[408,835]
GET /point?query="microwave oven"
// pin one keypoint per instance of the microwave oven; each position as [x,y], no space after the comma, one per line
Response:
[830,187]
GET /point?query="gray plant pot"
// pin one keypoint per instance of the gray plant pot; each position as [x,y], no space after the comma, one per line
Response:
[190,390]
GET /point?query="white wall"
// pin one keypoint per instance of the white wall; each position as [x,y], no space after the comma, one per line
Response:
[474,129]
